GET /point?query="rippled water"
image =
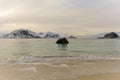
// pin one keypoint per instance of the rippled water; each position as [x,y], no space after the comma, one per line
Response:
[35,49]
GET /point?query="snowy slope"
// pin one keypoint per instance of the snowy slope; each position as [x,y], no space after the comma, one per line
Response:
[51,35]
[22,33]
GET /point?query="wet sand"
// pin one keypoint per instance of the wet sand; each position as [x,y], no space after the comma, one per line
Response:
[62,70]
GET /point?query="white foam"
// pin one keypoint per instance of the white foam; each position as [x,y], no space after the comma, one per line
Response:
[61,65]
[50,64]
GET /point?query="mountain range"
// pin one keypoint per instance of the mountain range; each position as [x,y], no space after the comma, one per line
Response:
[24,33]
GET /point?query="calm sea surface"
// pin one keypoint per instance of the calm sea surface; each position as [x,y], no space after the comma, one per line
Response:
[28,50]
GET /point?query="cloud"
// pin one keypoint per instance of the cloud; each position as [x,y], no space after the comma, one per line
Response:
[70,16]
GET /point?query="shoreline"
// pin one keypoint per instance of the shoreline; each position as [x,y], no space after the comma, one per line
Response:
[62,70]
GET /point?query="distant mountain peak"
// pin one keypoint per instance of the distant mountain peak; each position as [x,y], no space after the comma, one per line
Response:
[71,36]
[22,33]
[51,35]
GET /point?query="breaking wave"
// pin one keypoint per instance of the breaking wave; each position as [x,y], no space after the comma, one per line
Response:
[35,59]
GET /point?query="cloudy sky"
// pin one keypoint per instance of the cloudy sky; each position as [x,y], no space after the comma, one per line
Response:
[63,16]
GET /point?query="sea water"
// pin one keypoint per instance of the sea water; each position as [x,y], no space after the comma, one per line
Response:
[35,50]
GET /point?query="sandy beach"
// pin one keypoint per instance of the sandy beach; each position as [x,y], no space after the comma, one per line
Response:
[62,70]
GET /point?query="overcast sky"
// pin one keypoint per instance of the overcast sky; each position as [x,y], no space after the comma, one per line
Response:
[63,16]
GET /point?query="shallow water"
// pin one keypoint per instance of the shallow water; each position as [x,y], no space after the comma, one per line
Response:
[30,50]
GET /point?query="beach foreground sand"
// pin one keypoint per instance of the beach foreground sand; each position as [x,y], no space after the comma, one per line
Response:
[62,70]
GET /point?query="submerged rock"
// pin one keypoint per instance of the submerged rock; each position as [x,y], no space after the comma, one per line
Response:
[111,35]
[62,41]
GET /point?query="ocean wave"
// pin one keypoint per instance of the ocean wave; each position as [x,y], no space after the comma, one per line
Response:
[34,59]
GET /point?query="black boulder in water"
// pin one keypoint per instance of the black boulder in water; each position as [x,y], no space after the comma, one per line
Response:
[62,41]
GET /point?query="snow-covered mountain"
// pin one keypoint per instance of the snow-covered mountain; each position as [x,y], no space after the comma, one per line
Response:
[25,33]
[22,33]
[51,35]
